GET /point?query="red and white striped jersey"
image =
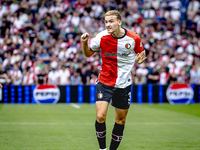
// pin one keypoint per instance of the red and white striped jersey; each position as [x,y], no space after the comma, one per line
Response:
[163,78]
[118,57]
[29,79]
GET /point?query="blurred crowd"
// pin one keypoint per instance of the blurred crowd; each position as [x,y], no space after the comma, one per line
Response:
[40,40]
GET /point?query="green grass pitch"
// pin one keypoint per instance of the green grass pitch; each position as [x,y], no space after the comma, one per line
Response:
[64,127]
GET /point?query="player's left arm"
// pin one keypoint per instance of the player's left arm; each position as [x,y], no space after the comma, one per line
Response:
[139,50]
[140,57]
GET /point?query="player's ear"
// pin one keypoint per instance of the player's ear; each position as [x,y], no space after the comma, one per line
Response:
[119,22]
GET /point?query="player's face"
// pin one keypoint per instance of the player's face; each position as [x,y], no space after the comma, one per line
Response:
[112,23]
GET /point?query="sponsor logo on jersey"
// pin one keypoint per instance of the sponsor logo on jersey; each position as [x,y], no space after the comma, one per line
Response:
[100,95]
[116,54]
[179,93]
[46,94]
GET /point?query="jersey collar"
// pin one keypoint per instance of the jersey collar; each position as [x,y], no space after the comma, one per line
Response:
[121,36]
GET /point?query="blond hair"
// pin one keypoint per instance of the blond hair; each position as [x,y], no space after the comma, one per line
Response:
[114,13]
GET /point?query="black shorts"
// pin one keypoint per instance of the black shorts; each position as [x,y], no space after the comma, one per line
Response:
[120,96]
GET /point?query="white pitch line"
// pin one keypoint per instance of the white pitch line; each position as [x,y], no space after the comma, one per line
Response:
[131,123]
[29,123]
[147,123]
[75,106]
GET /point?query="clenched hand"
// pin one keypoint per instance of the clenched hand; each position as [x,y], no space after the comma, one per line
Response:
[84,38]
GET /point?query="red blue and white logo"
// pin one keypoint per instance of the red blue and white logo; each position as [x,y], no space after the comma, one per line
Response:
[46,94]
[179,93]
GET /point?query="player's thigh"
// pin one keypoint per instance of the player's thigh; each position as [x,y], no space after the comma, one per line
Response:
[101,110]
[101,106]
[120,115]
[103,96]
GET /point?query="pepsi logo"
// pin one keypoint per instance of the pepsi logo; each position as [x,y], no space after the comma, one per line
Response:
[46,94]
[179,93]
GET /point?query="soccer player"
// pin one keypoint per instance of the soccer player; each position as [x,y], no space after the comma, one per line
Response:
[120,48]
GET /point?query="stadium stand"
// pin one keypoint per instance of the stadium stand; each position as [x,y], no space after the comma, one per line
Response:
[40,40]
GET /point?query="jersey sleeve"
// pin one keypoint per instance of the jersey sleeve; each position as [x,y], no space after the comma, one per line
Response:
[138,45]
[95,43]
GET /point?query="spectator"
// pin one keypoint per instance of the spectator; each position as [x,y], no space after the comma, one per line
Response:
[132,5]
[29,77]
[139,79]
[44,33]
[75,19]
[183,77]
[75,79]
[33,5]
[35,68]
[194,75]
[142,72]
[53,76]
[175,14]
[193,7]
[16,75]
[97,8]
[71,51]
[93,79]
[42,10]
[15,57]
[149,14]
[64,75]
[14,7]
[27,62]
[153,76]
[173,78]
[41,77]
[163,76]
[44,56]
[18,23]
[84,76]
[3,75]
[7,60]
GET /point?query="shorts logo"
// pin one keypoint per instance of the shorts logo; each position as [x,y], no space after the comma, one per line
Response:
[128,46]
[100,95]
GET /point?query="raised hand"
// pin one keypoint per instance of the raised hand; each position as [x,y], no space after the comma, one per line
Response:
[140,57]
[84,37]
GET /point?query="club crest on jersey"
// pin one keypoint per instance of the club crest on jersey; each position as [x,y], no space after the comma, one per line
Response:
[128,45]
[100,95]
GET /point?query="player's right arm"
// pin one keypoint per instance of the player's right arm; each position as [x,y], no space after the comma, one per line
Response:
[86,48]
